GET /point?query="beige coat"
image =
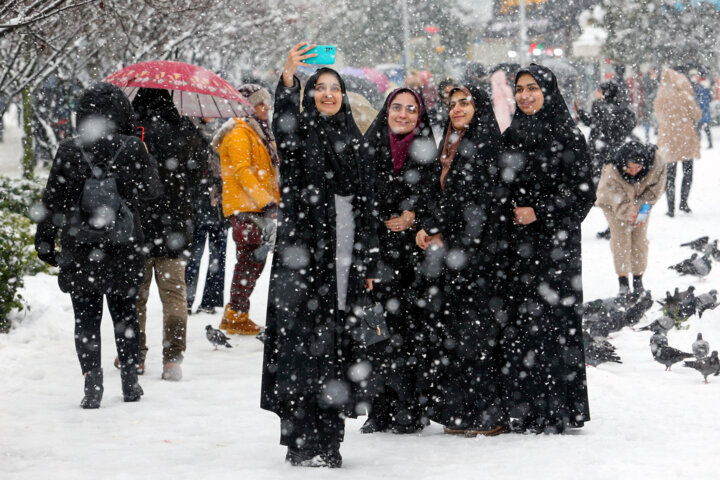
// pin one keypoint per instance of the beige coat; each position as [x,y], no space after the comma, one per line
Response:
[677,114]
[622,199]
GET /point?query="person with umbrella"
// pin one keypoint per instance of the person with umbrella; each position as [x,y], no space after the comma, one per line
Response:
[326,250]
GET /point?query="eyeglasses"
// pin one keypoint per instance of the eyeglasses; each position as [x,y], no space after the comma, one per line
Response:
[397,108]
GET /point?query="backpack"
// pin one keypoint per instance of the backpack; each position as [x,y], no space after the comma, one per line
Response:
[102,215]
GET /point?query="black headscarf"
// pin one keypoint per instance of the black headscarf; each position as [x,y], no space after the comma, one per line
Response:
[635,152]
[610,92]
[553,121]
[338,134]
[483,128]
[153,104]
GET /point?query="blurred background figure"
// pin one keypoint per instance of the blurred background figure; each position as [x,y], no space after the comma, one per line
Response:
[701,87]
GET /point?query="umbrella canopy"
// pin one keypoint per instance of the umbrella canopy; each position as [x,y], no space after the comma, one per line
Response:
[196,92]
[378,78]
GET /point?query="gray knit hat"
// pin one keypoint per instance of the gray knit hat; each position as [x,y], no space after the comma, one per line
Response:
[255,94]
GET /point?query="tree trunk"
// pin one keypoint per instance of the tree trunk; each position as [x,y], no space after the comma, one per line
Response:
[28,160]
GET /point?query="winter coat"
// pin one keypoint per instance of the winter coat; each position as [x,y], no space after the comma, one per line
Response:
[362,110]
[468,214]
[546,167]
[503,99]
[307,349]
[176,144]
[650,88]
[249,178]
[104,269]
[676,113]
[622,199]
[207,193]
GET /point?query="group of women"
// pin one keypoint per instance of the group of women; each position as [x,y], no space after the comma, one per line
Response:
[472,246]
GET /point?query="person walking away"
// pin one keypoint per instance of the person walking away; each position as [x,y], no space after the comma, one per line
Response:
[636,177]
[547,172]
[95,265]
[210,228]
[326,246]
[249,163]
[678,141]
[167,221]
[650,88]
[701,87]
[401,145]
[465,363]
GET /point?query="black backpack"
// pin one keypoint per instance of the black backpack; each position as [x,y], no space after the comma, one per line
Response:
[102,215]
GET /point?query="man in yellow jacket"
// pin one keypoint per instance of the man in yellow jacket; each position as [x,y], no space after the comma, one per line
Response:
[249,166]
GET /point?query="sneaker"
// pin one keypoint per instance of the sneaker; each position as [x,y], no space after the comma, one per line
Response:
[172,372]
[210,310]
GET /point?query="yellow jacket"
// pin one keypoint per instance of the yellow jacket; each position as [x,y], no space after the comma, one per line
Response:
[249,178]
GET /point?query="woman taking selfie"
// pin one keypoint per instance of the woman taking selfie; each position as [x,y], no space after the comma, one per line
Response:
[401,145]
[548,175]
[464,377]
[325,235]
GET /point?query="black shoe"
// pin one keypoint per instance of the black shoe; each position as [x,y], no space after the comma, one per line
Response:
[93,389]
[132,391]
[210,310]
[298,457]
[638,288]
[605,234]
[332,457]
[670,213]
[374,425]
[684,208]
[406,429]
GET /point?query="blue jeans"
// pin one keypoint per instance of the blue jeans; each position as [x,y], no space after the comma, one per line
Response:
[216,237]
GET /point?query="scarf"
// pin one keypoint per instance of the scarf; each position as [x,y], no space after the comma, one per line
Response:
[400,144]
[453,138]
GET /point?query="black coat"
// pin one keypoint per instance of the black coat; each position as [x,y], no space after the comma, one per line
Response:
[463,344]
[176,145]
[546,167]
[107,269]
[306,349]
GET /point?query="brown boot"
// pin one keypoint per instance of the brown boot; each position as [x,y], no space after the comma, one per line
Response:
[239,323]
[224,324]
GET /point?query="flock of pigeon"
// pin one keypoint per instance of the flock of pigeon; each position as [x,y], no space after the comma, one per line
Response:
[603,317]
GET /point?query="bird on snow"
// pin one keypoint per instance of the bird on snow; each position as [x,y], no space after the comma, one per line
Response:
[637,311]
[656,341]
[706,301]
[668,355]
[697,266]
[713,250]
[599,350]
[697,244]
[700,347]
[216,337]
[679,305]
[661,325]
[706,366]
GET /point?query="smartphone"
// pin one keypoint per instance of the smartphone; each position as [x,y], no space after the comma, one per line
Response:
[642,213]
[325,55]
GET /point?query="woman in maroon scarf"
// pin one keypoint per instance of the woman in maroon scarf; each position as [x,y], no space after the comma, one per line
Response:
[401,144]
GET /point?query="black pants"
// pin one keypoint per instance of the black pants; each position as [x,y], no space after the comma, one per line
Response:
[88,308]
[309,426]
[687,167]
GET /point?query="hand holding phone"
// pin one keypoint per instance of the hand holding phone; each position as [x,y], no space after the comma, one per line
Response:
[325,55]
[642,214]
[298,55]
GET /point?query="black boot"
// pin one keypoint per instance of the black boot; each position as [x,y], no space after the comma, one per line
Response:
[624,286]
[605,234]
[638,288]
[93,388]
[130,387]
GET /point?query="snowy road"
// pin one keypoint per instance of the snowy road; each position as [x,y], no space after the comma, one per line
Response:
[647,423]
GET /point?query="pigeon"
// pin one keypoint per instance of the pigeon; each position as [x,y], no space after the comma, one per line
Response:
[706,366]
[656,341]
[698,244]
[598,350]
[637,311]
[661,325]
[679,305]
[700,347]
[216,337]
[706,301]
[697,266]
[713,250]
[668,355]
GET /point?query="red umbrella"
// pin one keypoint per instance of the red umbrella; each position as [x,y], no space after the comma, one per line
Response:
[197,92]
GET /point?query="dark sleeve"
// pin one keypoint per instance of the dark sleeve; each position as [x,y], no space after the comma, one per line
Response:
[429,195]
[140,171]
[574,195]
[61,194]
[286,116]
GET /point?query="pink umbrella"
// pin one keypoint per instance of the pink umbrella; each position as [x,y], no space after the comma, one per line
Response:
[378,78]
[196,92]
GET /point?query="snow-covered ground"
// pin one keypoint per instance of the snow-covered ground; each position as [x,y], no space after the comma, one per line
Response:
[646,423]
